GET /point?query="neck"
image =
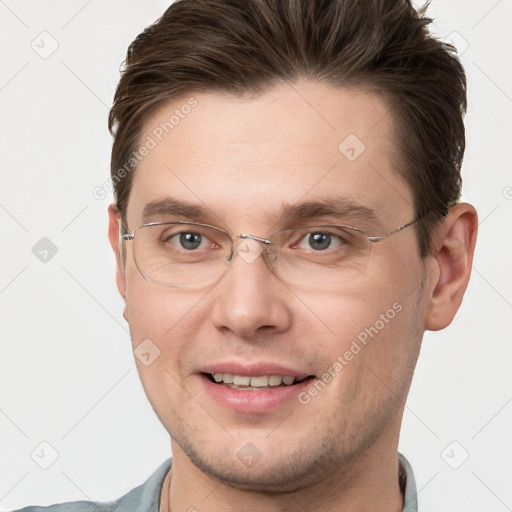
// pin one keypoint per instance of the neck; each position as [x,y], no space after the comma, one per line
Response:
[368,482]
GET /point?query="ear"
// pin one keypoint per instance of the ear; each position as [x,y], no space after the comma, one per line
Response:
[455,247]
[114,220]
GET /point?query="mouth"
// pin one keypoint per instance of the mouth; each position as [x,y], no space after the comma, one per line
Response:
[254,388]
[256,382]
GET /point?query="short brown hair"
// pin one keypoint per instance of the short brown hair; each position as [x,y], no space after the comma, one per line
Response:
[246,46]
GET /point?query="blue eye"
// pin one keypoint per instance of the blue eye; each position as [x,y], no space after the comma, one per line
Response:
[189,241]
[319,241]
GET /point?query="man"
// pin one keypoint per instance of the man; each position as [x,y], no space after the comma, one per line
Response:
[286,227]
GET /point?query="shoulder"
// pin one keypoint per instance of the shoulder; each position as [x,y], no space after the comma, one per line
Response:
[144,498]
[408,485]
[76,506]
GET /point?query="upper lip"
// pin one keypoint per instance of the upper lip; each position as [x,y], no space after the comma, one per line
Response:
[254,369]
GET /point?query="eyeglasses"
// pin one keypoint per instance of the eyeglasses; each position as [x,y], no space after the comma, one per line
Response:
[190,254]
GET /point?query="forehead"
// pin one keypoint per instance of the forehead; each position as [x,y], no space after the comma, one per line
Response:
[247,157]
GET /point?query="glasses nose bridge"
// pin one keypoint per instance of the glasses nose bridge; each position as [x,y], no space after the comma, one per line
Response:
[237,240]
[252,237]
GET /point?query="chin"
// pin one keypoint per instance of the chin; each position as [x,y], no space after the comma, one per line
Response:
[282,472]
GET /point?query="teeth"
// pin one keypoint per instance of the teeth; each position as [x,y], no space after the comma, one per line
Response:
[262,381]
[288,380]
[274,380]
[227,378]
[241,381]
[259,382]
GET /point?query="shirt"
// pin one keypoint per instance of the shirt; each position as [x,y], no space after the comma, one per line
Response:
[146,497]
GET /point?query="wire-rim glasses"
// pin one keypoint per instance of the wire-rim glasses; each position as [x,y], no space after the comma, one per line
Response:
[191,254]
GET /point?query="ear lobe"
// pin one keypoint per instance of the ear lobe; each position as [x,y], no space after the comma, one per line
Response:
[455,244]
[114,220]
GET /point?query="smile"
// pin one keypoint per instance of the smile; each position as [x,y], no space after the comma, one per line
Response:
[243,382]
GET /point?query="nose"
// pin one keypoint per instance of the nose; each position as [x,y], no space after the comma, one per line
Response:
[250,299]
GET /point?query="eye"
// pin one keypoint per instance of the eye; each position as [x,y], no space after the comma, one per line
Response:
[319,241]
[189,240]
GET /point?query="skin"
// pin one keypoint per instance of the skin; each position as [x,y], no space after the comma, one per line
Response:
[244,158]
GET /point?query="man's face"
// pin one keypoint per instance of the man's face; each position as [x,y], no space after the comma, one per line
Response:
[243,160]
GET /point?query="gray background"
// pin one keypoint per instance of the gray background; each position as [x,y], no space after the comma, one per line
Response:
[67,375]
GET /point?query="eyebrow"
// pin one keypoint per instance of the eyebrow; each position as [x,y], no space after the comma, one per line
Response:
[170,206]
[338,207]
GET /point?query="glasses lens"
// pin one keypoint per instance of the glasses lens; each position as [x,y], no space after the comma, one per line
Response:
[181,254]
[320,256]
[188,254]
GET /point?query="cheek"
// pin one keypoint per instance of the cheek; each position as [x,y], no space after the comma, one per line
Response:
[374,324]
[164,325]
[369,363]
[356,312]
[153,308]
[169,318]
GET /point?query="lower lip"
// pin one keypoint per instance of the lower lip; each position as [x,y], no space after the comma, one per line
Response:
[253,401]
